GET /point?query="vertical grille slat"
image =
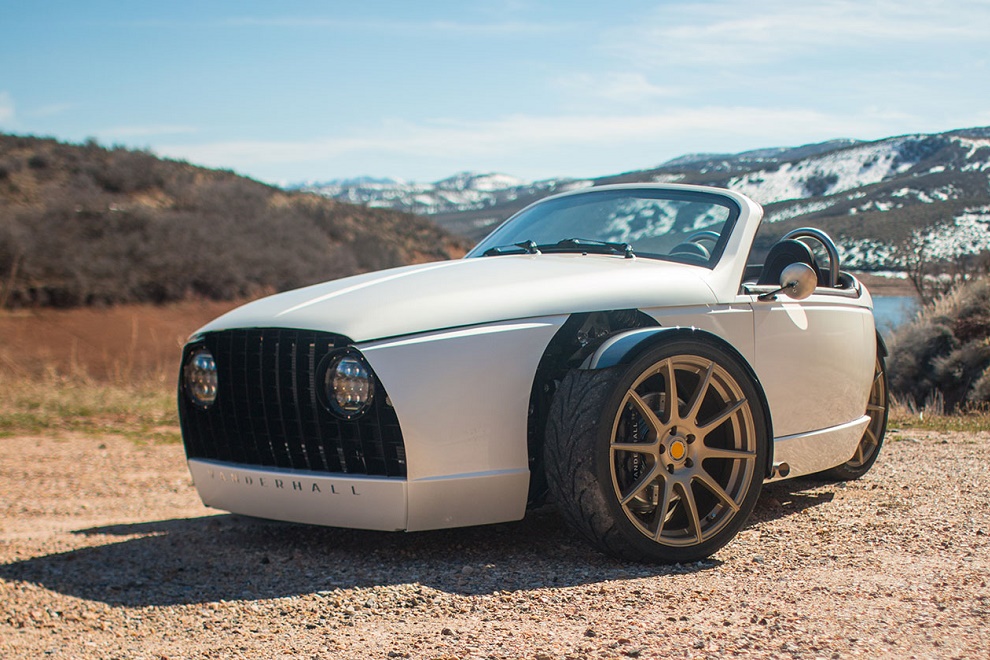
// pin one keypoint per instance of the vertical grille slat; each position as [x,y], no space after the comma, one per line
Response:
[227,372]
[268,411]
[245,391]
[269,400]
[290,378]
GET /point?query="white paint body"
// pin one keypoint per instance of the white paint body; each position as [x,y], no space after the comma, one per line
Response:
[457,344]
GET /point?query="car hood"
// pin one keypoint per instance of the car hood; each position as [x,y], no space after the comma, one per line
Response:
[425,297]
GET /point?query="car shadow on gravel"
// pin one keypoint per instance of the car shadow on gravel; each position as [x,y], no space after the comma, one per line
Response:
[228,557]
[786,498]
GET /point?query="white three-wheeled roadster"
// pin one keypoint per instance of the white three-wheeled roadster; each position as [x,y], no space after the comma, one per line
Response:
[611,348]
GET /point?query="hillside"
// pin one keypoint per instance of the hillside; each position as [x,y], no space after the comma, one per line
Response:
[879,200]
[85,225]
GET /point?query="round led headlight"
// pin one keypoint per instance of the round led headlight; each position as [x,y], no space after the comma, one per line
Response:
[350,387]
[200,375]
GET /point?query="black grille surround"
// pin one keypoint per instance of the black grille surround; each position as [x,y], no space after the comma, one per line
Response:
[268,411]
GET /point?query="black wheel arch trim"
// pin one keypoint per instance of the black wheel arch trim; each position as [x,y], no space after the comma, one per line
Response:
[882,345]
[625,347]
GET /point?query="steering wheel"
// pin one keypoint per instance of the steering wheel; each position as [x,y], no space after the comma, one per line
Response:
[706,235]
[827,243]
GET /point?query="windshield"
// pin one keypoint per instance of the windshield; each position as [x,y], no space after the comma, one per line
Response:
[677,225]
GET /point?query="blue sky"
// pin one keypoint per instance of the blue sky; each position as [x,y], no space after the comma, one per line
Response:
[296,91]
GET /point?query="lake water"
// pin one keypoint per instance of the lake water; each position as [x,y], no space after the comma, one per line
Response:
[892,311]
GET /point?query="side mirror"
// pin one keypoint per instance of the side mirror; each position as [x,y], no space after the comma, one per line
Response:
[797,281]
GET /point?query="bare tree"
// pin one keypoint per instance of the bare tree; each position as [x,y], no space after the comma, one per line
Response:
[932,276]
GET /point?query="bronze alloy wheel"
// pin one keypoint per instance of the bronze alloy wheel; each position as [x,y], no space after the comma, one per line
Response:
[683,450]
[661,459]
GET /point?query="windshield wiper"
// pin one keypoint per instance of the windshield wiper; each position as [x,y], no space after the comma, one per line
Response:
[528,247]
[566,245]
[589,245]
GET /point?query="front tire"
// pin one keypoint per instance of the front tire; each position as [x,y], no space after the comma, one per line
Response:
[662,459]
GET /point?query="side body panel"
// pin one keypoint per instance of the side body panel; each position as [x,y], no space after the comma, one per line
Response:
[807,453]
[733,323]
[815,359]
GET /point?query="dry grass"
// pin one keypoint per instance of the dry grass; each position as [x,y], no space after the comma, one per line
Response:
[931,416]
[144,411]
[95,372]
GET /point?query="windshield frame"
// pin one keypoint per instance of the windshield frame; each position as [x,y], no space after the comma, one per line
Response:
[497,238]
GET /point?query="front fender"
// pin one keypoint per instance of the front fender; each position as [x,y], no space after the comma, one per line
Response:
[462,400]
[625,347]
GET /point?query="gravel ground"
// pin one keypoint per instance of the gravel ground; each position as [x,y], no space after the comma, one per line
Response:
[106,552]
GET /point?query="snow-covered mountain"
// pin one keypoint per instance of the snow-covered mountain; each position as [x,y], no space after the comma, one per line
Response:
[875,198]
[466,191]
[880,197]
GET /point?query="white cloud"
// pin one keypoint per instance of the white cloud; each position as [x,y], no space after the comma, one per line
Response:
[624,87]
[6,108]
[731,33]
[466,142]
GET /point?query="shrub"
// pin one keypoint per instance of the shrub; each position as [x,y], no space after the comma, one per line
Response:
[127,171]
[817,185]
[946,349]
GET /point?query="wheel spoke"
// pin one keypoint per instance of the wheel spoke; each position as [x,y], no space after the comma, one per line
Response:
[640,485]
[661,512]
[651,417]
[733,454]
[673,414]
[874,408]
[690,509]
[867,445]
[699,395]
[860,456]
[635,447]
[721,417]
[706,480]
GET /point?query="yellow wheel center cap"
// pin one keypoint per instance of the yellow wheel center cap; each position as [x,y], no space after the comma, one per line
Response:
[677,450]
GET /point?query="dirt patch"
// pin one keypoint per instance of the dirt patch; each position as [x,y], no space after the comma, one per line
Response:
[107,552]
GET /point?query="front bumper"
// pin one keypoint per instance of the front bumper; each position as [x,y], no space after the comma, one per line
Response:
[301,496]
[360,502]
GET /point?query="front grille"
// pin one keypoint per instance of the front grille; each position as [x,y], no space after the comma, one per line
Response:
[268,411]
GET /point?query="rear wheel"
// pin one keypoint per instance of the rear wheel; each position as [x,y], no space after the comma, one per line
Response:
[660,460]
[872,440]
